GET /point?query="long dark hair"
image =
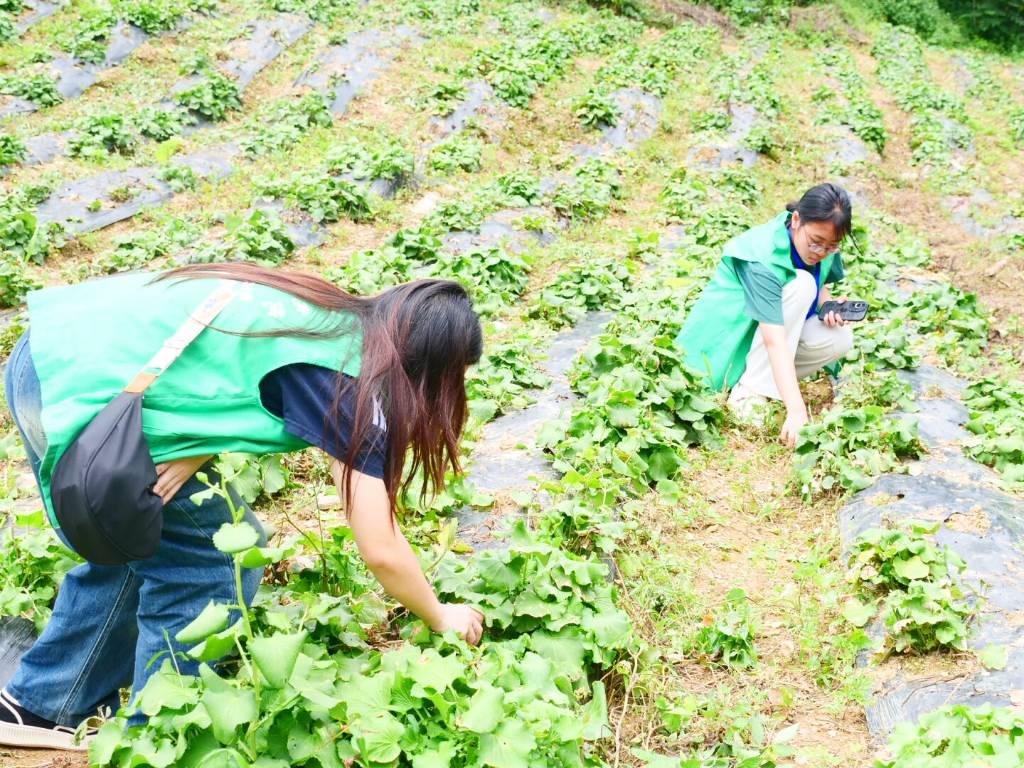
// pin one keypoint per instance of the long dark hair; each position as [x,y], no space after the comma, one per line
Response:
[826,202]
[417,340]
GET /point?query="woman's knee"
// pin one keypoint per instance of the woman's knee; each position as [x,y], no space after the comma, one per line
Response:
[803,286]
[842,341]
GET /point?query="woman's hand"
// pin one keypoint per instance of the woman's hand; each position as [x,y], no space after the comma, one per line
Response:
[832,319]
[467,622]
[392,561]
[795,420]
[171,475]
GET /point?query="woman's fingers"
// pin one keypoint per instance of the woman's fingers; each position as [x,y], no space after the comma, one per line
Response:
[476,628]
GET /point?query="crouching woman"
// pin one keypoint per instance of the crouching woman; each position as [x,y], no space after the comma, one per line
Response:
[755,328]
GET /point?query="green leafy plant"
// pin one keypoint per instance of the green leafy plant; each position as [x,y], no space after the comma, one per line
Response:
[12,150]
[461,152]
[885,344]
[138,249]
[153,16]
[595,283]
[322,11]
[1017,125]
[262,238]
[916,585]
[519,189]
[764,139]
[846,449]
[444,97]
[884,559]
[7,29]
[39,88]
[373,157]
[727,634]
[458,215]
[596,110]
[101,135]
[161,124]
[588,195]
[283,699]
[283,123]
[180,178]
[938,120]
[958,735]
[33,563]
[324,197]
[494,276]
[86,37]
[996,408]
[212,97]
[371,271]
[501,381]
[23,236]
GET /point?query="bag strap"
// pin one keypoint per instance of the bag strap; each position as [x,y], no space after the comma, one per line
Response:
[194,324]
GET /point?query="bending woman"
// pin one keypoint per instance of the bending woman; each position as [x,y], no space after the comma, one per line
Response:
[291,362]
[755,328]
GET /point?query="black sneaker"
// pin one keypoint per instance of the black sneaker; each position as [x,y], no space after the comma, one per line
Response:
[21,728]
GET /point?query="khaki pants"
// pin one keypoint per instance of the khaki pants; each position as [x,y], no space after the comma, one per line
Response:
[812,343]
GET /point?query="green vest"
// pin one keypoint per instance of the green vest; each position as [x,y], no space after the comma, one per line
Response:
[90,339]
[717,333]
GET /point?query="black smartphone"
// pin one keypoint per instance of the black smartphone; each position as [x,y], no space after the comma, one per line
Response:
[850,311]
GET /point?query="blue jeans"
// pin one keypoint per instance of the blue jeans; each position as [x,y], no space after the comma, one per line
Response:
[109,622]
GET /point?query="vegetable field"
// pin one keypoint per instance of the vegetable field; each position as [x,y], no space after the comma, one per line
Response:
[662,586]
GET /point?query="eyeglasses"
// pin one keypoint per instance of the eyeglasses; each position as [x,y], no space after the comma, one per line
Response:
[821,249]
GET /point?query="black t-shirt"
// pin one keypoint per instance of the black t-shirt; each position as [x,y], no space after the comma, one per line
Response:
[303,395]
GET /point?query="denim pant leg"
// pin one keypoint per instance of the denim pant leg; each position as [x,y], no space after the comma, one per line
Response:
[110,622]
[184,575]
[25,401]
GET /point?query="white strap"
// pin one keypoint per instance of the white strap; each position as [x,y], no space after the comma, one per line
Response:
[194,324]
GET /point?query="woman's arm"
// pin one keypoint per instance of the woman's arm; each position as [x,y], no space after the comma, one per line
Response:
[391,560]
[784,372]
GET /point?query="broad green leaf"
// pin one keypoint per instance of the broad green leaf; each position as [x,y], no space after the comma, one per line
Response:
[165,690]
[377,737]
[224,758]
[509,747]
[217,645]
[440,756]
[106,742]
[229,708]
[235,537]
[485,710]
[858,613]
[213,618]
[911,570]
[595,714]
[435,673]
[275,656]
[994,656]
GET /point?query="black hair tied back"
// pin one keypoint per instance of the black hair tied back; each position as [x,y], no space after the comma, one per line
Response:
[826,202]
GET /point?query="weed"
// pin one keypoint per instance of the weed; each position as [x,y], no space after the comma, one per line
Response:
[727,634]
